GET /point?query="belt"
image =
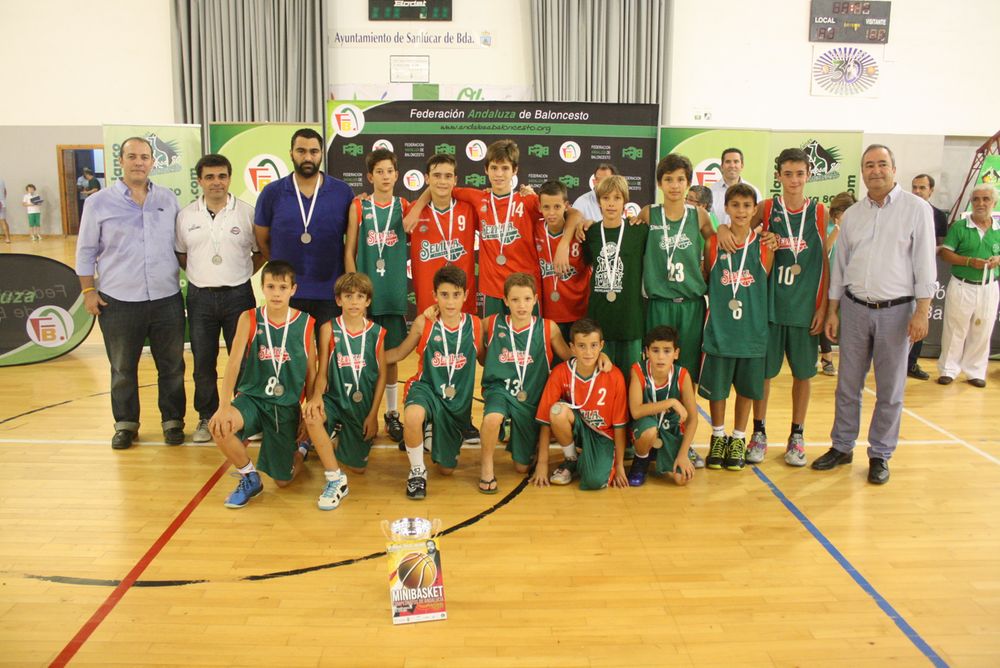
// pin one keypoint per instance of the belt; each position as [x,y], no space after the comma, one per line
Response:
[221,288]
[878,305]
[965,280]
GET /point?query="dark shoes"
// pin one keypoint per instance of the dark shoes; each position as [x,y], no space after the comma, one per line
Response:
[173,436]
[122,440]
[977,382]
[916,372]
[878,471]
[945,380]
[832,458]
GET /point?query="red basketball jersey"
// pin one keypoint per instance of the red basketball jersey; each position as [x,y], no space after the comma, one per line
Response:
[603,406]
[440,238]
[574,290]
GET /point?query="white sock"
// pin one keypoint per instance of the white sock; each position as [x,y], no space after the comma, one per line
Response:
[248,469]
[332,475]
[718,431]
[569,451]
[739,434]
[391,398]
[416,456]
[638,456]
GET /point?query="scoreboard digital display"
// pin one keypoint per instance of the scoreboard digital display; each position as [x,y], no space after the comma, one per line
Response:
[409,10]
[849,22]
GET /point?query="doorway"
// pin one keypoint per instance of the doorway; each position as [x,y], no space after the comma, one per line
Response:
[74,185]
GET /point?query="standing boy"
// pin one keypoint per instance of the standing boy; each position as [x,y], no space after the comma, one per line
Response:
[735,340]
[440,394]
[376,245]
[280,362]
[585,409]
[33,205]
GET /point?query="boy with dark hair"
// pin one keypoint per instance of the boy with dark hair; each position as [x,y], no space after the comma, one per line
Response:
[564,296]
[439,396]
[280,363]
[377,246]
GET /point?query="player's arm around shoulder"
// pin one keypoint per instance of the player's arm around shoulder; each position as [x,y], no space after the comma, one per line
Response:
[559,345]
[399,353]
[414,209]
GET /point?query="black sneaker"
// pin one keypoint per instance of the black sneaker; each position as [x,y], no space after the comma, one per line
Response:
[716,452]
[416,484]
[393,426]
[916,372]
[736,454]
[638,471]
[470,435]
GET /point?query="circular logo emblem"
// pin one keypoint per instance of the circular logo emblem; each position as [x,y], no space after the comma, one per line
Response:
[49,326]
[475,150]
[413,180]
[707,172]
[592,181]
[569,151]
[632,209]
[347,120]
[261,170]
[382,144]
[845,70]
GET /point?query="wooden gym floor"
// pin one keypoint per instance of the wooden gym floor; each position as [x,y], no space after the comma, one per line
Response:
[129,558]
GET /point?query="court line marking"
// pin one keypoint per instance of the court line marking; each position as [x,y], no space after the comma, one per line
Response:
[947,433]
[910,633]
[74,645]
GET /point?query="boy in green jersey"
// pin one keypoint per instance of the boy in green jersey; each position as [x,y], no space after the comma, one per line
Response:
[280,363]
[735,339]
[439,395]
[351,380]
[377,246]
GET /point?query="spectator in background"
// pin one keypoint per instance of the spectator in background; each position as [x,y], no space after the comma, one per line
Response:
[33,205]
[586,203]
[838,205]
[701,196]
[3,211]
[87,185]
[732,169]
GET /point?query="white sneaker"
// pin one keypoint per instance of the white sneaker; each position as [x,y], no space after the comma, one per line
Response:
[563,475]
[333,492]
[795,452]
[256,437]
[201,433]
[757,448]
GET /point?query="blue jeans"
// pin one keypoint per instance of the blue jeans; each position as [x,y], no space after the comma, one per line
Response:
[211,311]
[126,326]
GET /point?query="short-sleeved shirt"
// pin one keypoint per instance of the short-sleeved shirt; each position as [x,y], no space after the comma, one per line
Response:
[31,208]
[440,238]
[228,235]
[622,319]
[319,263]
[742,331]
[382,238]
[966,239]
[671,268]
[602,404]
[793,297]
[573,288]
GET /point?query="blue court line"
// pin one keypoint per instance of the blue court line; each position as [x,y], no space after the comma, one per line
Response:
[903,625]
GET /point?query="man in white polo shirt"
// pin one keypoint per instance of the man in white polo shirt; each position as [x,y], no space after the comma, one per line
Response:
[216,246]
[732,168]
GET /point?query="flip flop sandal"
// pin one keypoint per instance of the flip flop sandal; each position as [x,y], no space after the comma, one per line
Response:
[489,490]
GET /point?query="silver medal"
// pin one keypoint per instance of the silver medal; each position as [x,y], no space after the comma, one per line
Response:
[612,296]
[501,260]
[796,269]
[449,392]
[279,389]
[522,396]
[658,443]
[734,304]
[357,397]
[380,264]
[306,237]
[216,259]
[554,296]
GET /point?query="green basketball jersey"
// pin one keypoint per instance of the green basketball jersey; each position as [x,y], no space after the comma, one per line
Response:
[623,318]
[259,378]
[671,268]
[671,390]
[340,382]
[501,370]
[794,297]
[741,331]
[376,230]
[433,363]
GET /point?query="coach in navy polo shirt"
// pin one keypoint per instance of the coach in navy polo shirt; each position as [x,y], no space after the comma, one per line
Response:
[301,219]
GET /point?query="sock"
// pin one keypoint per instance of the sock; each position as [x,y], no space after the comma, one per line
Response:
[797,429]
[758,425]
[569,451]
[739,434]
[718,431]
[332,475]
[391,400]
[638,456]
[247,470]
[303,450]
[416,456]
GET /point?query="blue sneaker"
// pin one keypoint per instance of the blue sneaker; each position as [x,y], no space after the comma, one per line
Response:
[637,472]
[248,487]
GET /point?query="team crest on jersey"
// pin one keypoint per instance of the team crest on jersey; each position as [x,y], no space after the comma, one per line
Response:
[454,360]
[508,231]
[593,418]
[449,250]
[347,361]
[277,352]
[730,277]
[388,238]
[523,357]
[549,270]
[667,242]
[795,245]
[608,276]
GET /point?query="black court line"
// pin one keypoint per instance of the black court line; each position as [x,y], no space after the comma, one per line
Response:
[95,582]
[62,403]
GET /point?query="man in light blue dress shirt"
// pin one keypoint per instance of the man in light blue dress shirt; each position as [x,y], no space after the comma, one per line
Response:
[883,264]
[129,275]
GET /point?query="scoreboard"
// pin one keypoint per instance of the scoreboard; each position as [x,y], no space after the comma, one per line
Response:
[849,22]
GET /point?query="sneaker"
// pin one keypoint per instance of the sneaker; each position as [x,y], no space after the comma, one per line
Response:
[696,459]
[637,472]
[736,454]
[201,433]
[393,426]
[563,475]
[248,487]
[757,449]
[333,492]
[716,452]
[795,452]
[470,435]
[416,484]
[256,437]
[828,368]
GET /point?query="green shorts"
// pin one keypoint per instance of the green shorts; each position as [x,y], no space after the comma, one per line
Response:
[798,344]
[596,459]
[688,318]
[352,448]
[394,326]
[34,220]
[666,455]
[279,425]
[492,305]
[446,439]
[718,374]
[624,354]
[523,428]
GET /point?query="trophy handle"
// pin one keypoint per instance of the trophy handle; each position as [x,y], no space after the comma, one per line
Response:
[385,529]
[435,527]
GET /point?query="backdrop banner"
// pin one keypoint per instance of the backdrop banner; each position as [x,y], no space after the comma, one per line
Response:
[176,150]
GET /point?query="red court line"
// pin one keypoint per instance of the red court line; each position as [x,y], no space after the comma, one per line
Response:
[74,645]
